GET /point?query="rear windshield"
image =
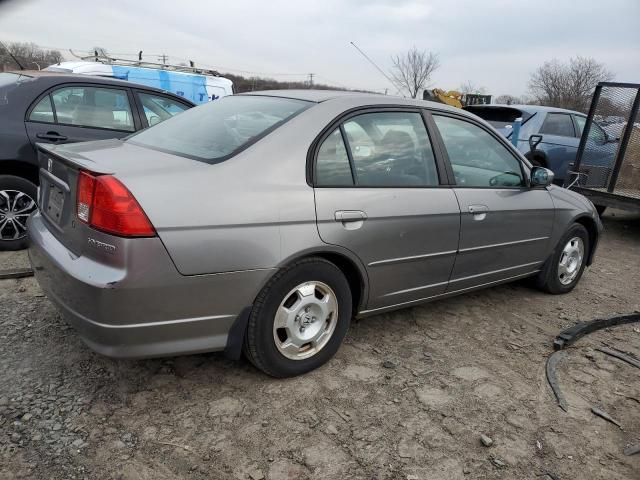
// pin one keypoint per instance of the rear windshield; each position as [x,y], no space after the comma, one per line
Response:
[220,129]
[499,117]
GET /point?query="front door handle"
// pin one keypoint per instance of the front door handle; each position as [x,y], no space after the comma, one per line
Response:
[346,216]
[52,136]
[479,212]
[478,209]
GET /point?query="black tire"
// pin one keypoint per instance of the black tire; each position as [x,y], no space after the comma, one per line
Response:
[548,279]
[600,209]
[13,183]
[259,345]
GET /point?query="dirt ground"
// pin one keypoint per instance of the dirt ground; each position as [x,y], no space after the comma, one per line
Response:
[408,395]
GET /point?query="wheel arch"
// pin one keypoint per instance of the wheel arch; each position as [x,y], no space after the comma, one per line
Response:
[350,265]
[592,229]
[25,170]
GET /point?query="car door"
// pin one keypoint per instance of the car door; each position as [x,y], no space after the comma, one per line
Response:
[380,193]
[505,226]
[155,107]
[559,142]
[78,113]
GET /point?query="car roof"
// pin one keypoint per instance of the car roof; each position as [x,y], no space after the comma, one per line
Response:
[351,97]
[529,108]
[54,78]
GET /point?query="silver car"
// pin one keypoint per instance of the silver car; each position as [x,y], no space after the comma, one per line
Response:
[264,222]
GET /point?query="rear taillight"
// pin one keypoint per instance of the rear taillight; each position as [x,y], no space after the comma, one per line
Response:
[86,186]
[104,203]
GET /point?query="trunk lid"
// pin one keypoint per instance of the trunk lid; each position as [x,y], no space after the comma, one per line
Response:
[59,170]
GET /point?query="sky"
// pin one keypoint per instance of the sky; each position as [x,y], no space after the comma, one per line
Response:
[495,44]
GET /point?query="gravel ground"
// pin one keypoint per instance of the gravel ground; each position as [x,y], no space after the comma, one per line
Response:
[411,394]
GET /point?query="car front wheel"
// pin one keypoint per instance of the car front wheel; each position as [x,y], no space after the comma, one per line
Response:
[17,202]
[563,270]
[299,319]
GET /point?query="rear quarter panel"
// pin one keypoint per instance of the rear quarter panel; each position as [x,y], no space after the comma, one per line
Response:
[248,212]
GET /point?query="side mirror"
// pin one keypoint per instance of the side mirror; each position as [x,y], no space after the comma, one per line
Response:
[154,120]
[541,177]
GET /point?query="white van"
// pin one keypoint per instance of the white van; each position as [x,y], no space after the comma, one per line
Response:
[197,85]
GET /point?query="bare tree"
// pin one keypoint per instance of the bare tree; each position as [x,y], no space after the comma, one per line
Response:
[412,71]
[29,55]
[568,85]
[470,87]
[509,100]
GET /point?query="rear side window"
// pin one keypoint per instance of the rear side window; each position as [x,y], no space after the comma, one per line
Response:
[43,111]
[559,124]
[93,107]
[332,167]
[218,130]
[382,149]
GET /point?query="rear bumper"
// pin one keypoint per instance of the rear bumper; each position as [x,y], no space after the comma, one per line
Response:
[140,306]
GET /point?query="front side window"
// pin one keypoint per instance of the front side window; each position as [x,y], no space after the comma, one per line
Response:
[158,108]
[217,130]
[559,124]
[596,134]
[43,111]
[478,159]
[93,107]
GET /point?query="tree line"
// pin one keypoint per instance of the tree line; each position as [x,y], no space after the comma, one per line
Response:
[28,56]
[567,84]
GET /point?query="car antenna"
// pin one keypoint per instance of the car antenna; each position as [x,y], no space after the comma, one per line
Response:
[12,56]
[376,66]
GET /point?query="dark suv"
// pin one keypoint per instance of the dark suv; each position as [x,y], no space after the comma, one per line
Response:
[48,107]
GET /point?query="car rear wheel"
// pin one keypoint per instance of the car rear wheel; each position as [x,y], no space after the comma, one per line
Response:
[17,202]
[563,270]
[299,319]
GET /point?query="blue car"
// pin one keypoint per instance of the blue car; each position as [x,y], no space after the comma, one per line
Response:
[560,130]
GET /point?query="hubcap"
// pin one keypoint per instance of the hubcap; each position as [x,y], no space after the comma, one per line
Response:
[15,208]
[570,260]
[305,320]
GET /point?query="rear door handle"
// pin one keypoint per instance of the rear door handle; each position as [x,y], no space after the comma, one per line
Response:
[345,216]
[52,136]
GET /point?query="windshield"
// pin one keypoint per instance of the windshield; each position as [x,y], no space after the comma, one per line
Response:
[220,129]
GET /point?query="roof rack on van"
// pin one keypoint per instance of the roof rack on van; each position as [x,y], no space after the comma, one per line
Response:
[101,57]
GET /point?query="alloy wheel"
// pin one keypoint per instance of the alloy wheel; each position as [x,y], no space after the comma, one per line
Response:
[570,260]
[15,208]
[305,320]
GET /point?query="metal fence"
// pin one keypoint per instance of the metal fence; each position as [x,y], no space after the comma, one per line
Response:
[608,159]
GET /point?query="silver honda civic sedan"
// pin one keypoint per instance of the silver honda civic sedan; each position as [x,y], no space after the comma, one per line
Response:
[263,223]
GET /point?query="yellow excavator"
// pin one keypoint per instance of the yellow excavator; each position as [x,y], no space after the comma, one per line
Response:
[451,97]
[455,98]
